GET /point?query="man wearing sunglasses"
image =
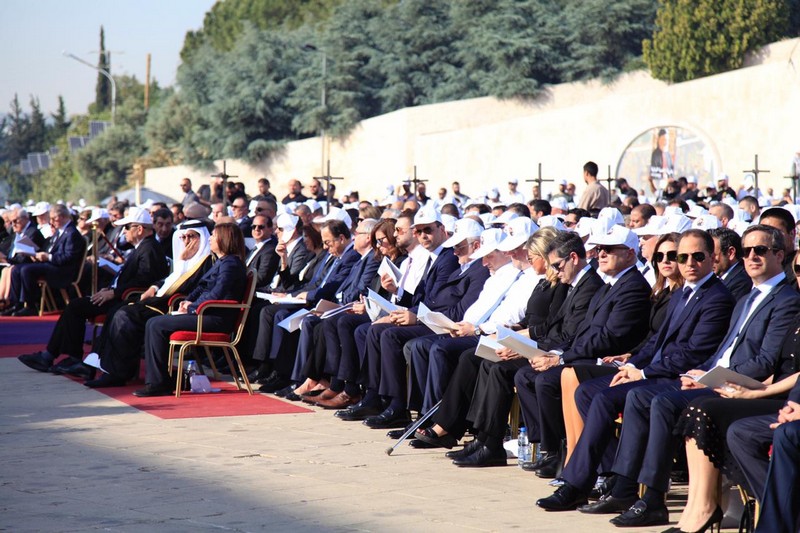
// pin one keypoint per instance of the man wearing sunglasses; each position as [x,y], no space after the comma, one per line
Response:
[750,347]
[144,267]
[697,318]
[262,258]
[728,264]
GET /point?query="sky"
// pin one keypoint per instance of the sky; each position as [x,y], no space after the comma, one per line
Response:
[34,33]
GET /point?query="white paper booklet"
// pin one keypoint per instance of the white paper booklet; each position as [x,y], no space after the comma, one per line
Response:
[718,376]
[527,348]
[486,349]
[438,322]
[387,267]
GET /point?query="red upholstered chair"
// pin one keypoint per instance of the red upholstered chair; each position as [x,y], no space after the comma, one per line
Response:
[226,341]
[100,320]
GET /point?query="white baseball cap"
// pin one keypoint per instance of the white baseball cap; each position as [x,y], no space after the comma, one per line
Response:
[506,217]
[706,222]
[335,213]
[449,222]
[427,215]
[97,214]
[136,215]
[513,180]
[40,209]
[490,240]
[287,223]
[519,231]
[676,224]
[560,202]
[612,214]
[551,220]
[618,236]
[464,229]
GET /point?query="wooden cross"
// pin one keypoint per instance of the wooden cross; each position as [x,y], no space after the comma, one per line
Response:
[539,180]
[756,171]
[327,177]
[416,181]
[609,180]
[795,178]
[224,175]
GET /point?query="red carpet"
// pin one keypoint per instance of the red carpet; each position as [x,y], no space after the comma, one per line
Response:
[25,335]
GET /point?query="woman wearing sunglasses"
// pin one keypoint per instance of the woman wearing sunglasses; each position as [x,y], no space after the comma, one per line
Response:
[668,280]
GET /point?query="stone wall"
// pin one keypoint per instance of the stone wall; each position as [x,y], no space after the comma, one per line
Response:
[482,142]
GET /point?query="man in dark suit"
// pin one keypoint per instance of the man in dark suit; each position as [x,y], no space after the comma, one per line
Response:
[490,382]
[615,322]
[22,227]
[262,258]
[696,323]
[58,266]
[145,266]
[292,251]
[728,262]
[773,481]
[440,289]
[163,229]
[240,215]
[751,347]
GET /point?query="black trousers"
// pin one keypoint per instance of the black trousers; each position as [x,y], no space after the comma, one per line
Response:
[494,392]
[70,330]
[452,413]
[121,352]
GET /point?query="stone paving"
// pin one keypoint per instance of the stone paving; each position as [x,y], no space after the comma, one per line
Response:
[75,460]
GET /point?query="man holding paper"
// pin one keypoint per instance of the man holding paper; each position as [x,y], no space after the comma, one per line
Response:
[751,347]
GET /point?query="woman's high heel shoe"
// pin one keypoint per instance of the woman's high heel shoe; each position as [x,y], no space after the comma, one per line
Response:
[714,522]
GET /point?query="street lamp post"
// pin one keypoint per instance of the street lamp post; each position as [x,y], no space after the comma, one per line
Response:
[104,73]
[312,48]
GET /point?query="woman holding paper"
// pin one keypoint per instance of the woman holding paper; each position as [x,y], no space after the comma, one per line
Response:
[668,280]
[704,425]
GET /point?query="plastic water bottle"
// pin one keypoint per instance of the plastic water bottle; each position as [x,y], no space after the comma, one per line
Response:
[191,370]
[523,447]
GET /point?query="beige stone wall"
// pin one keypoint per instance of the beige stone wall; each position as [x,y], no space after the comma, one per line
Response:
[482,142]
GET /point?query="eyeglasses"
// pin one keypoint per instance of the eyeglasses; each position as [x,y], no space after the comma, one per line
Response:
[670,256]
[400,231]
[569,224]
[609,249]
[382,240]
[760,250]
[129,226]
[14,221]
[699,257]
[427,230]
[259,226]
[363,232]
[558,266]
[240,206]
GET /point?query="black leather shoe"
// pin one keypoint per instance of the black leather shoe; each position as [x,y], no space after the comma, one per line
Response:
[276,384]
[149,390]
[418,444]
[566,498]
[389,418]
[551,469]
[36,361]
[105,380]
[547,459]
[9,311]
[429,436]
[359,411]
[79,370]
[264,377]
[468,449]
[603,487]
[640,515]
[26,311]
[483,456]
[63,365]
[285,391]
[607,505]
[291,396]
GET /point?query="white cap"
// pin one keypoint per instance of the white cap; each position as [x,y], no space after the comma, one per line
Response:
[39,209]
[560,202]
[653,226]
[490,239]
[749,180]
[519,231]
[464,229]
[147,204]
[585,226]
[676,224]
[691,179]
[488,219]
[513,180]
[449,223]
[616,237]
[287,223]
[672,210]
[506,217]
[562,182]
[706,222]
[136,215]
[251,208]
[389,200]
[313,205]
[612,214]
[550,220]
[335,213]
[696,211]
[97,214]
[427,215]
[722,176]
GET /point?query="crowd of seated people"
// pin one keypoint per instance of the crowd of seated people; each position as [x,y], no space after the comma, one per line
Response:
[379,311]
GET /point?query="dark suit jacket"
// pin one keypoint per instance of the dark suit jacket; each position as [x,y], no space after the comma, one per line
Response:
[67,254]
[225,281]
[166,244]
[545,301]
[558,332]
[615,321]
[458,292]
[265,263]
[438,273]
[246,225]
[33,233]
[738,282]
[758,347]
[360,278]
[339,271]
[658,313]
[144,267]
[689,334]
[297,260]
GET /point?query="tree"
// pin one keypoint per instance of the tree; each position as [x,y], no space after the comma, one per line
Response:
[102,98]
[36,136]
[695,38]
[60,123]
[58,181]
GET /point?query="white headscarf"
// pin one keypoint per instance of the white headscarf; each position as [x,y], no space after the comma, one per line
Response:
[181,266]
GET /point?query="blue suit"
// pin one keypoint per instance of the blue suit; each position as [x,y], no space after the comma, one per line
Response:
[386,364]
[66,256]
[683,342]
[431,285]
[646,444]
[615,322]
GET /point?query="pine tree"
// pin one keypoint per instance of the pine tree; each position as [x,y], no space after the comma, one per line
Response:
[102,98]
[60,122]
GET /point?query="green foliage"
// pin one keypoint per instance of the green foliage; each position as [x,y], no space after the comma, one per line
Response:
[106,161]
[695,38]
[56,182]
[102,98]
[61,123]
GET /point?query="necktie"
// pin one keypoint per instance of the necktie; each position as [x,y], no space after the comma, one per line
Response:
[687,292]
[427,266]
[733,334]
[333,266]
[497,302]
[252,255]
[321,270]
